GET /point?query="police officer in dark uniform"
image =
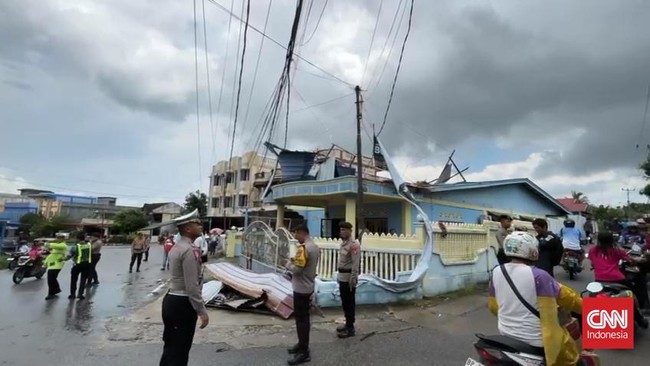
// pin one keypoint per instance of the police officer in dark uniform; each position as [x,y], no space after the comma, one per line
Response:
[348,275]
[81,255]
[183,303]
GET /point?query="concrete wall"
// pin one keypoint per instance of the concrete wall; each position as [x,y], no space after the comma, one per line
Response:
[509,198]
[313,217]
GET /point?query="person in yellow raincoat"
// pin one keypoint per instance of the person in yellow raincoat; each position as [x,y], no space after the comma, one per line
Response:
[54,263]
[542,293]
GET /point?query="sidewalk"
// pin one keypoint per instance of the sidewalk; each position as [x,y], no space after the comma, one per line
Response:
[241,330]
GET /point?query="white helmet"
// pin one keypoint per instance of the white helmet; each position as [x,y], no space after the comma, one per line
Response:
[521,245]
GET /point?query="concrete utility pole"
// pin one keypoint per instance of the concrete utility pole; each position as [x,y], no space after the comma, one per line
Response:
[627,208]
[360,220]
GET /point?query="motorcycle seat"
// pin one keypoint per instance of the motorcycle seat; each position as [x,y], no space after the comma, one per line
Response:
[510,344]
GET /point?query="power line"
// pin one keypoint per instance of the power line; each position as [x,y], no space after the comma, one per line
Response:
[372,41]
[399,66]
[320,17]
[319,104]
[214,2]
[257,64]
[223,76]
[233,99]
[383,50]
[207,74]
[196,72]
[241,74]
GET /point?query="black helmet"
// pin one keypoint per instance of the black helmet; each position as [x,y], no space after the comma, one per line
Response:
[569,223]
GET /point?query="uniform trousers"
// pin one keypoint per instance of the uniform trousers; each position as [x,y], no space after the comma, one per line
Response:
[348,300]
[80,269]
[301,305]
[53,287]
[93,268]
[179,320]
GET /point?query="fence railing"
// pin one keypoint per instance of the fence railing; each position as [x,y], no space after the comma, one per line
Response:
[383,263]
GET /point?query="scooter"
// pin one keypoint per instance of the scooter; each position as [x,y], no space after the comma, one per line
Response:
[503,350]
[27,267]
[608,289]
[13,258]
[571,263]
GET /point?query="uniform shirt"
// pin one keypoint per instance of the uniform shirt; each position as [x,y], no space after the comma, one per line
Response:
[185,273]
[302,280]
[501,235]
[349,260]
[515,320]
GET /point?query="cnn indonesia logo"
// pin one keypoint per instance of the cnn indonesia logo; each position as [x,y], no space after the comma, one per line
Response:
[608,323]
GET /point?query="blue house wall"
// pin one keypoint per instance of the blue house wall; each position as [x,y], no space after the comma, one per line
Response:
[447,213]
[313,217]
[392,211]
[511,198]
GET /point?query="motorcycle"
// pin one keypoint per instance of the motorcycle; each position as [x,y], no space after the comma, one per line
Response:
[571,263]
[503,350]
[608,289]
[13,259]
[27,267]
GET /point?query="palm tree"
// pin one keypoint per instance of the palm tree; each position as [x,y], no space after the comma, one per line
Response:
[579,197]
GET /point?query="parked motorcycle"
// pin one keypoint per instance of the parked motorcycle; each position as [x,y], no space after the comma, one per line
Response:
[27,267]
[571,263]
[503,350]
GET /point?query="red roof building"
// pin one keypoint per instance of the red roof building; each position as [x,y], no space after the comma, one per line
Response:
[573,206]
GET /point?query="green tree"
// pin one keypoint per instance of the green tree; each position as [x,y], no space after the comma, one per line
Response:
[196,200]
[49,227]
[129,221]
[579,197]
[30,220]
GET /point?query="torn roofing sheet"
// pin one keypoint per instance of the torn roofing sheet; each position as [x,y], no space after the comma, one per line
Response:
[277,288]
[211,290]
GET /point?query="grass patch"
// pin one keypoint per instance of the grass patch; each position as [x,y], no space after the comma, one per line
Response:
[3,262]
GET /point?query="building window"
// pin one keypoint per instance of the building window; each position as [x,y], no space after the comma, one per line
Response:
[227,202]
[244,175]
[215,203]
[215,180]
[229,177]
[243,200]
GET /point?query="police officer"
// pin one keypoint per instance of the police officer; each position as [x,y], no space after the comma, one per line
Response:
[183,303]
[54,263]
[348,275]
[81,255]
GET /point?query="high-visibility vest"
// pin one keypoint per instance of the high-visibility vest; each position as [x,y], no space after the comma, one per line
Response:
[84,253]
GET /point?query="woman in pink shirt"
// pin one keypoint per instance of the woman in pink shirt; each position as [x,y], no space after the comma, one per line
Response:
[605,256]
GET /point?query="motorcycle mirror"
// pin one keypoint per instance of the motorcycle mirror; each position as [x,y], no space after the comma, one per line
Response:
[594,287]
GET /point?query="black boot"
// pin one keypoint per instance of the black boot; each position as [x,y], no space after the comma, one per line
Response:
[293,350]
[299,358]
[347,332]
[341,328]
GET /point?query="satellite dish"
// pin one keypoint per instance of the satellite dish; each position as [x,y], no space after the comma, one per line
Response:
[595,287]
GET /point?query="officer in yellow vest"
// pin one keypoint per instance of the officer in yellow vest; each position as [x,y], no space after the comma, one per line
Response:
[81,255]
[54,263]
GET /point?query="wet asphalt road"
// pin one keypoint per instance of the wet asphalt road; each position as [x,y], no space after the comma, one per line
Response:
[34,332]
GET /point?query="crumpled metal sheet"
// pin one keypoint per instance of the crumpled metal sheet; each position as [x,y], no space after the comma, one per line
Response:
[211,290]
[276,288]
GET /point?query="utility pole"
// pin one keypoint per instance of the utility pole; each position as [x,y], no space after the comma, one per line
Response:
[359,211]
[627,208]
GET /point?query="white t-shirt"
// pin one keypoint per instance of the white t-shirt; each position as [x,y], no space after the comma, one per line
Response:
[515,320]
[202,243]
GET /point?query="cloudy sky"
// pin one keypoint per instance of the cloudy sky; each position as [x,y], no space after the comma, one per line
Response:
[99,97]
